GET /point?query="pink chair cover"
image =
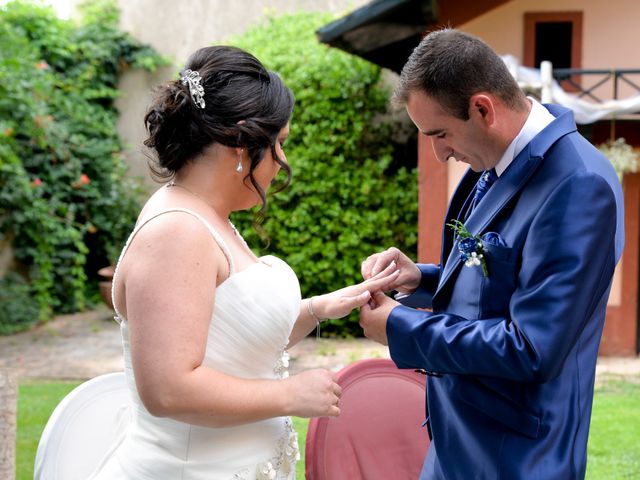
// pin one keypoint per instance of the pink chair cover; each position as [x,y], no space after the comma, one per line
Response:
[379,433]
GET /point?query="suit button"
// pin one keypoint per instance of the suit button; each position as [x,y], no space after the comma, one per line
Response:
[427,372]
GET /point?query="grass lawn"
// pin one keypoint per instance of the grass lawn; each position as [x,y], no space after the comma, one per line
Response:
[614,442]
[36,401]
[614,439]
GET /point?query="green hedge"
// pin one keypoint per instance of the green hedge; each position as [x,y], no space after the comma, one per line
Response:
[353,193]
[65,203]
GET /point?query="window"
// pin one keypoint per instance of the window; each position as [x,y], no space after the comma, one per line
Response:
[553,43]
[556,37]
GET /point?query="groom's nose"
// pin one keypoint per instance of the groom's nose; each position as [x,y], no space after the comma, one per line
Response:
[441,149]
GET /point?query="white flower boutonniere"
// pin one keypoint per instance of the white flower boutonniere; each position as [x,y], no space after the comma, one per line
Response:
[471,249]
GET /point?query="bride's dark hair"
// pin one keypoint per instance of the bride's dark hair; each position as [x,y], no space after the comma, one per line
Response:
[237,88]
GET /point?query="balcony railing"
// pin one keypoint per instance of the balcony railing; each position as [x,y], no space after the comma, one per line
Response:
[572,76]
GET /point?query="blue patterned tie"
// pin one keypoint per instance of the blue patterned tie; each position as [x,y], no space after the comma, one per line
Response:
[484,183]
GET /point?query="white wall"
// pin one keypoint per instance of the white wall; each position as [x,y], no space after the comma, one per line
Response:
[610,29]
[610,33]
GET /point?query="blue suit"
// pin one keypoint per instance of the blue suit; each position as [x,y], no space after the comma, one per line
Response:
[511,357]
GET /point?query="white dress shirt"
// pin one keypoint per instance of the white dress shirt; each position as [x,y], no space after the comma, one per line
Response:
[539,117]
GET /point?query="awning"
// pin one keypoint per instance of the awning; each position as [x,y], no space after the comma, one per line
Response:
[384,32]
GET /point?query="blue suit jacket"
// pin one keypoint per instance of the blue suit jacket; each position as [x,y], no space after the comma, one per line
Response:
[514,353]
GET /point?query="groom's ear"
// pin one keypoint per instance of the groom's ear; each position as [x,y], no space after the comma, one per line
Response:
[482,108]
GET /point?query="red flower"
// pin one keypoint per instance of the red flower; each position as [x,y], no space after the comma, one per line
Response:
[82,181]
[42,65]
[36,183]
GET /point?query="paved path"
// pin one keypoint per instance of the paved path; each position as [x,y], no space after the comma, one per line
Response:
[81,346]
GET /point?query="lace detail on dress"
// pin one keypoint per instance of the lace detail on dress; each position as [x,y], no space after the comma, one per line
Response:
[284,461]
[281,368]
[287,453]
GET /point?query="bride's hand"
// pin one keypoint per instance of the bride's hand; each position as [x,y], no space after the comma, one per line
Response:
[313,393]
[339,303]
[407,282]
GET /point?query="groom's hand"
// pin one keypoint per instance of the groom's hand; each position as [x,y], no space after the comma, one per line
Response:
[374,315]
[339,303]
[409,277]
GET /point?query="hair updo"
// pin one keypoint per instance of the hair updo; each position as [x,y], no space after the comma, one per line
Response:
[237,88]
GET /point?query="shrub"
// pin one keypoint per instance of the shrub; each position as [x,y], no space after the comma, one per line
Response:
[17,308]
[352,193]
[621,155]
[64,199]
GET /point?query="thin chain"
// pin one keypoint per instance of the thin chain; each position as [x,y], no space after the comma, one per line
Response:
[172,183]
[313,315]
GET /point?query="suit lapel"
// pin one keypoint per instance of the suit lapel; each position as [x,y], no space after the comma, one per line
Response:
[460,198]
[502,191]
[505,187]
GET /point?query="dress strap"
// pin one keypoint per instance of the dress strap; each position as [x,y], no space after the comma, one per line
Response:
[216,236]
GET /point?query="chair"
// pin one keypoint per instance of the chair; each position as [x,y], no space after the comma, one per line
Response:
[379,433]
[82,429]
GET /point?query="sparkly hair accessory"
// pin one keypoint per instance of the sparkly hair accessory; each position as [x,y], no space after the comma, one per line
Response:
[193,79]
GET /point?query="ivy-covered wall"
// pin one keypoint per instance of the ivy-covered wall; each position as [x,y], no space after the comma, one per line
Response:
[66,204]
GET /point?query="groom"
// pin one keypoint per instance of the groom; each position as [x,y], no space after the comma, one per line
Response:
[534,231]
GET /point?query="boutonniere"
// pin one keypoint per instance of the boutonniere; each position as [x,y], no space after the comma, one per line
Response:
[471,249]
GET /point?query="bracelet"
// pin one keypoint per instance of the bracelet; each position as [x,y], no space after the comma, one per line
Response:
[314,316]
[311,312]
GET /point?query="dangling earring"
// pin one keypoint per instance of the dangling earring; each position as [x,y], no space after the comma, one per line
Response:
[239,166]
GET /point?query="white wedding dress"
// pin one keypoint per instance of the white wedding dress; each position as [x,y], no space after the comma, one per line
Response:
[254,313]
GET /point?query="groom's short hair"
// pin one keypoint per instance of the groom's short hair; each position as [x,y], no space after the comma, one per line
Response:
[451,66]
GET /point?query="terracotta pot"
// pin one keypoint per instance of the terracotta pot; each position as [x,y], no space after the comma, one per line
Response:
[106,285]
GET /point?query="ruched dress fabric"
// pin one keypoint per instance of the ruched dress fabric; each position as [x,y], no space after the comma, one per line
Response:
[253,316]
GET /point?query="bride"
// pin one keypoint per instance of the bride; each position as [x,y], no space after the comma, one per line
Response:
[205,323]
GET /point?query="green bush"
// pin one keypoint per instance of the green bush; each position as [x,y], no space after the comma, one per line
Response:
[351,194]
[17,309]
[65,202]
